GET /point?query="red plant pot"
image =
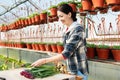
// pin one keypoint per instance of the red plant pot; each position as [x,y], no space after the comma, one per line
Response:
[42,47]
[116,54]
[86,5]
[29,46]
[60,48]
[98,4]
[48,47]
[53,11]
[73,7]
[102,53]
[112,2]
[54,48]
[90,53]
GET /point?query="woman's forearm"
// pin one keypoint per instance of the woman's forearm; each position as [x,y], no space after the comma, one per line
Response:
[55,58]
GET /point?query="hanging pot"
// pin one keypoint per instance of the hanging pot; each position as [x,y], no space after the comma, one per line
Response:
[53,11]
[115,8]
[112,2]
[86,5]
[73,7]
[98,4]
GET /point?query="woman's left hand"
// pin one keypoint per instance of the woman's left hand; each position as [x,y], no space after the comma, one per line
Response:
[38,62]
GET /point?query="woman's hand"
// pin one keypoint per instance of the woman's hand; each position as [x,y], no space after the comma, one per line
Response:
[38,62]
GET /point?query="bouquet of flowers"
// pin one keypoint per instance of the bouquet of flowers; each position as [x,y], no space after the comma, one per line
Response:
[39,72]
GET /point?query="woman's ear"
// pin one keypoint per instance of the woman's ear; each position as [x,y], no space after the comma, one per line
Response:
[69,14]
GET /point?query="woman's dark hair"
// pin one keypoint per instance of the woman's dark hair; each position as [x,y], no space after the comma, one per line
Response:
[65,8]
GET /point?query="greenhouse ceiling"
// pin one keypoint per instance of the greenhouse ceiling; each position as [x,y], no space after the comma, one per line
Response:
[11,10]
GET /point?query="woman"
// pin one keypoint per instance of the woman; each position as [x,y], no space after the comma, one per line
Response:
[74,44]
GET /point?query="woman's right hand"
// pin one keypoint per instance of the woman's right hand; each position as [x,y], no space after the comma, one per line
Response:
[39,62]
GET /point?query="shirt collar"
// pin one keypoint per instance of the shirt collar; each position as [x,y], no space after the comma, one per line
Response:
[73,25]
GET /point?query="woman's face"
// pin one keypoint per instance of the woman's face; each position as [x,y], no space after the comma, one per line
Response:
[64,18]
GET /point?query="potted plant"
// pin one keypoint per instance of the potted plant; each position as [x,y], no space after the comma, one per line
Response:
[112,2]
[42,46]
[37,18]
[43,16]
[98,4]
[116,52]
[22,44]
[103,51]
[87,5]
[48,46]
[90,50]
[73,4]
[80,9]
[54,47]
[53,10]
[29,46]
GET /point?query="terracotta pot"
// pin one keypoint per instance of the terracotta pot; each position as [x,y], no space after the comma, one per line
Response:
[86,5]
[42,47]
[37,19]
[43,16]
[33,20]
[73,7]
[115,8]
[53,11]
[33,46]
[22,45]
[54,48]
[80,9]
[98,4]
[112,2]
[23,23]
[26,22]
[48,47]
[116,54]
[90,53]
[36,46]
[102,53]
[29,21]
[29,46]
[60,48]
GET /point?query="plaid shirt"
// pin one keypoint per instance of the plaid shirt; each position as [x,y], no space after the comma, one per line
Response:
[74,49]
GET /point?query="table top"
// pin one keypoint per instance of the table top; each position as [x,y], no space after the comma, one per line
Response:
[14,74]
